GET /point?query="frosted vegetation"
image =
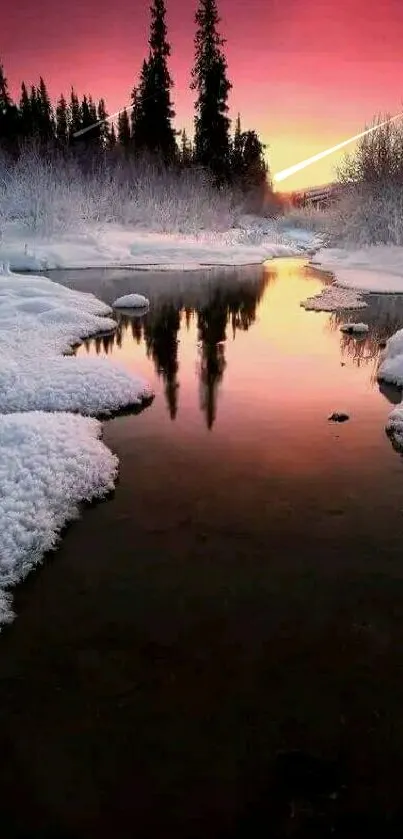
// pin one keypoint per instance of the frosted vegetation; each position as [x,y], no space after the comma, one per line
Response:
[50,196]
[370,212]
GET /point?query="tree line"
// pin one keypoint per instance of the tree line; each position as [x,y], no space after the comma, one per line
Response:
[81,127]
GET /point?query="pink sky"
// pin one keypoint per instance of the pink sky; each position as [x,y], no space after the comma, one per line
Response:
[306,73]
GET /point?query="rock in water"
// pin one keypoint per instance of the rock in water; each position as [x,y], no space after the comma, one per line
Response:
[354,328]
[131,301]
[338,417]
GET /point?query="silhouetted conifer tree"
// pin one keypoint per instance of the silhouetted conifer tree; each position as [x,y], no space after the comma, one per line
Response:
[9,118]
[153,129]
[237,150]
[209,79]
[46,122]
[103,127]
[111,140]
[75,115]
[124,134]
[62,122]
[26,127]
[186,151]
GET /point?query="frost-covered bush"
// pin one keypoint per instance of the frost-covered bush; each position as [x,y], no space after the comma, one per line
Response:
[371,210]
[369,215]
[54,195]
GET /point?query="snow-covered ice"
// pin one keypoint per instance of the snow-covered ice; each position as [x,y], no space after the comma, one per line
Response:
[355,328]
[131,301]
[48,464]
[50,460]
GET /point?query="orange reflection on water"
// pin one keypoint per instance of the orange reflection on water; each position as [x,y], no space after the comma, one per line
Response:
[246,362]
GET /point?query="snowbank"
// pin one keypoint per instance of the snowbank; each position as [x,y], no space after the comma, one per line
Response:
[377,269]
[110,246]
[48,464]
[131,301]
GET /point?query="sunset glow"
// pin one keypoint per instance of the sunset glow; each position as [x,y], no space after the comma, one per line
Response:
[304,75]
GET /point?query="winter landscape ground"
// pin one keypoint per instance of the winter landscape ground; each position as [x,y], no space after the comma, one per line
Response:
[51,458]
[53,217]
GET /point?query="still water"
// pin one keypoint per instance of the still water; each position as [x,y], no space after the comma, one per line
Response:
[240,594]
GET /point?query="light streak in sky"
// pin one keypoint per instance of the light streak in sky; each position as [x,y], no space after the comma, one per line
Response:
[297,167]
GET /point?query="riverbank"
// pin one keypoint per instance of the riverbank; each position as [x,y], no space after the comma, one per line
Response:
[253,241]
[50,460]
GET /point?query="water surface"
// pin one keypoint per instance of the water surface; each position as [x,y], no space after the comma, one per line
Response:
[241,592]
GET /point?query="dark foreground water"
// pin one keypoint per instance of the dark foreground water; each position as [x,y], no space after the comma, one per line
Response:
[238,598]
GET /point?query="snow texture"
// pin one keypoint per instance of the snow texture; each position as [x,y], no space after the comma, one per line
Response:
[131,301]
[355,328]
[48,464]
[40,320]
[333,298]
[377,269]
[253,241]
[391,368]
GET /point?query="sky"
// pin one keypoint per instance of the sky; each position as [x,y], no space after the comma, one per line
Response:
[306,74]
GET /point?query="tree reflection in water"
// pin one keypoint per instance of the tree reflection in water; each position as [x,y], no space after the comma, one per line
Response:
[215,308]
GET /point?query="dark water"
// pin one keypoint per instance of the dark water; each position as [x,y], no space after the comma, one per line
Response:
[240,595]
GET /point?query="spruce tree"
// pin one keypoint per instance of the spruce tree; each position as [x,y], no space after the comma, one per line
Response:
[102,128]
[111,139]
[153,129]
[35,107]
[9,121]
[74,115]
[237,151]
[124,135]
[209,79]
[255,168]
[186,151]
[26,127]
[45,113]
[62,122]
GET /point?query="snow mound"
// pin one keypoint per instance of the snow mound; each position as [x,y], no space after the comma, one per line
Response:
[87,385]
[391,368]
[394,426]
[40,320]
[131,301]
[49,463]
[354,328]
[333,298]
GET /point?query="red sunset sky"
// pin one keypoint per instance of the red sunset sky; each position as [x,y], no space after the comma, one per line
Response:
[306,73]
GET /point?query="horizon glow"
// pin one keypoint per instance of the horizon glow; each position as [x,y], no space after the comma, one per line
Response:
[303,74]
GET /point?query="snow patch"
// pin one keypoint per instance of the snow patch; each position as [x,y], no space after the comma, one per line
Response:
[131,301]
[333,298]
[253,241]
[48,464]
